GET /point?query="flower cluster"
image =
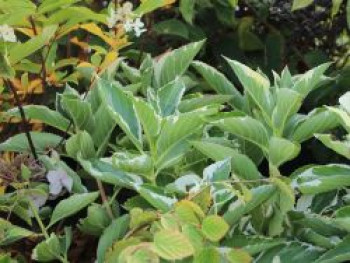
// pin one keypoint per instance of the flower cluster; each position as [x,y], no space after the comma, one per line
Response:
[124,15]
[7,34]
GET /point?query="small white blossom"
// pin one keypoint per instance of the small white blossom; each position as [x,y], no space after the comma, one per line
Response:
[121,15]
[7,34]
[58,180]
[139,27]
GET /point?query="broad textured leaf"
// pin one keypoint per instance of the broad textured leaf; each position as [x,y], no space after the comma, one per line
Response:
[170,96]
[207,255]
[150,120]
[246,128]
[259,195]
[341,253]
[47,250]
[193,104]
[53,5]
[187,10]
[255,85]
[115,231]
[81,144]
[323,178]
[252,244]
[175,63]
[106,172]
[282,150]
[311,79]
[121,106]
[172,245]
[219,83]
[42,142]
[291,252]
[72,205]
[343,117]
[315,122]
[219,171]
[21,51]
[214,228]
[10,233]
[172,142]
[156,197]
[344,101]
[105,124]
[238,256]
[79,111]
[44,114]
[341,147]
[241,164]
[288,103]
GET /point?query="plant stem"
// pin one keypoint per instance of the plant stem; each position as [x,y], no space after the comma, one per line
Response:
[37,218]
[24,120]
[104,198]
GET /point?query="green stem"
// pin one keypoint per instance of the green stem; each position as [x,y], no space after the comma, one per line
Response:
[37,218]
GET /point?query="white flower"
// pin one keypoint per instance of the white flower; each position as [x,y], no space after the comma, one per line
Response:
[7,34]
[58,180]
[135,25]
[139,27]
[121,15]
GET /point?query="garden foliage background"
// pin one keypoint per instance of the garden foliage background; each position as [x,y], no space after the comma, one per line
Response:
[174,131]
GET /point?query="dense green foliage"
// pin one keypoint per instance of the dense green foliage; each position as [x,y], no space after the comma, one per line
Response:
[193,155]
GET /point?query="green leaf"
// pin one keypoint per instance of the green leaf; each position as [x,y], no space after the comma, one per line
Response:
[175,63]
[79,111]
[96,221]
[252,244]
[170,96]
[218,171]
[288,103]
[343,117]
[323,178]
[150,5]
[336,6]
[219,83]
[42,142]
[202,101]
[72,205]
[310,80]
[22,51]
[106,124]
[238,256]
[10,233]
[121,107]
[6,71]
[48,250]
[106,172]
[316,122]
[43,114]
[115,231]
[173,27]
[172,142]
[255,85]
[187,10]
[81,144]
[246,128]
[299,4]
[259,195]
[341,253]
[207,255]
[156,197]
[241,164]
[172,245]
[53,5]
[282,150]
[214,228]
[341,147]
[149,119]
